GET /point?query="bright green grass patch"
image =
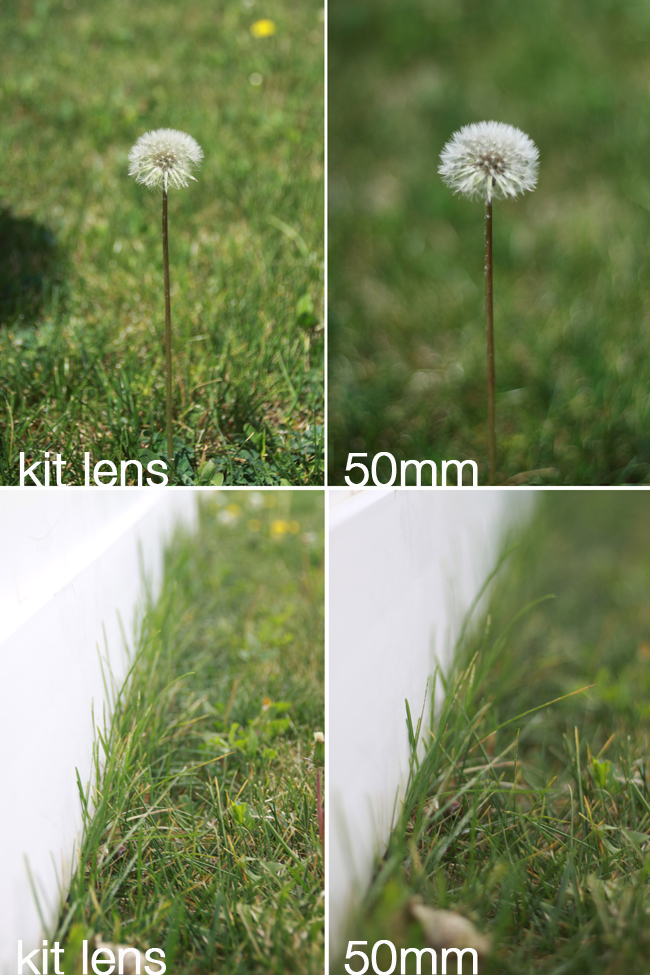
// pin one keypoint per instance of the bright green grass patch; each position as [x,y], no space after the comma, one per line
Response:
[200,831]
[81,294]
[571,260]
[537,825]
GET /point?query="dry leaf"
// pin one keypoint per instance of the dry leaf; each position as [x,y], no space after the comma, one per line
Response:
[448,929]
[129,964]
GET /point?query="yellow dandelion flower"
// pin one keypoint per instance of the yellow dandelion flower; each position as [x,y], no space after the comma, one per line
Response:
[263,28]
[279,528]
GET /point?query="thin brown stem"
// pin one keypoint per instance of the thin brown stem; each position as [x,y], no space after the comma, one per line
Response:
[489,318]
[168,329]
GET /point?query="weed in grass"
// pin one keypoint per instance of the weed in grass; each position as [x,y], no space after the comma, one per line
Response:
[82,304]
[165,158]
[489,160]
[528,805]
[571,260]
[263,28]
[201,833]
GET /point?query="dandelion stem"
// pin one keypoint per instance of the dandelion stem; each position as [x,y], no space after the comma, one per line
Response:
[489,318]
[488,159]
[168,329]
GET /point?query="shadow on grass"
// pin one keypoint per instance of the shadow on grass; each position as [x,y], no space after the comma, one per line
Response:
[32,269]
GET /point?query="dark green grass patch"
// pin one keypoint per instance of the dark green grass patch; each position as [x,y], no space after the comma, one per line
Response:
[571,260]
[81,295]
[200,830]
[531,815]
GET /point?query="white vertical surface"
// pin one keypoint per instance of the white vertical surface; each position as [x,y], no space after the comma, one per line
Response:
[404,567]
[71,570]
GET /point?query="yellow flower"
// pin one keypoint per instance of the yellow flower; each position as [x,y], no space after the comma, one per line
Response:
[263,28]
[279,527]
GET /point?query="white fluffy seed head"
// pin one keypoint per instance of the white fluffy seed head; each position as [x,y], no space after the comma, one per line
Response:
[489,159]
[164,157]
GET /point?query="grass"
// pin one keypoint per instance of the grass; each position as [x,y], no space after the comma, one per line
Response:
[534,820]
[571,279]
[81,289]
[200,830]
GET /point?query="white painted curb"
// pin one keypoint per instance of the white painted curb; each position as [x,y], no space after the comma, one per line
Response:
[70,573]
[404,566]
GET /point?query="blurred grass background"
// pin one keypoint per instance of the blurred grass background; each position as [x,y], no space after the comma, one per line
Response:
[200,829]
[571,260]
[590,551]
[536,826]
[81,295]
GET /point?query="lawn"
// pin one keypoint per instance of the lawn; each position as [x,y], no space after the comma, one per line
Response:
[532,821]
[201,832]
[81,282]
[571,260]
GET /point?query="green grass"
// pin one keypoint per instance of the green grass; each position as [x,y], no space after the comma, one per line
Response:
[81,293]
[571,260]
[536,825]
[200,831]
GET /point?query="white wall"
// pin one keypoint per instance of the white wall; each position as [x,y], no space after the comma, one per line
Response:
[403,568]
[70,571]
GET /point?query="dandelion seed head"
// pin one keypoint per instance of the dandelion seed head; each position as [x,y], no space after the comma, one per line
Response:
[489,159]
[164,157]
